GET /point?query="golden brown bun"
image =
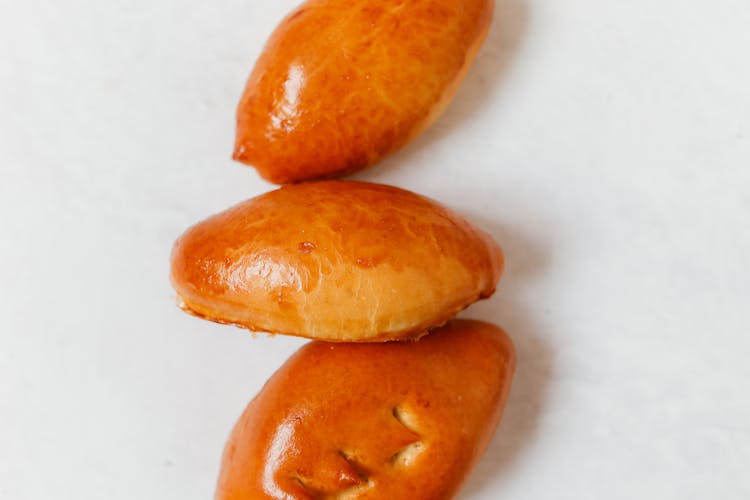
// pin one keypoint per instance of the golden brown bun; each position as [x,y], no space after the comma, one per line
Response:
[390,421]
[340,84]
[335,260]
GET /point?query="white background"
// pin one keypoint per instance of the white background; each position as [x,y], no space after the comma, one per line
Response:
[606,145]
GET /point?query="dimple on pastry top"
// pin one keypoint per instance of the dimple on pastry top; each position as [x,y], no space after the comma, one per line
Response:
[384,421]
[340,84]
[335,260]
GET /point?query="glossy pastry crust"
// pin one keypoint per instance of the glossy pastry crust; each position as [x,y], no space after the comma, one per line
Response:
[396,420]
[335,260]
[342,83]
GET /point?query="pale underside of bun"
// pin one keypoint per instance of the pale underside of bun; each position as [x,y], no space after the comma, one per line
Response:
[339,332]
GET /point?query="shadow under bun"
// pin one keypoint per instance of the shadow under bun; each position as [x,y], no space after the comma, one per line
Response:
[386,421]
[340,84]
[335,260]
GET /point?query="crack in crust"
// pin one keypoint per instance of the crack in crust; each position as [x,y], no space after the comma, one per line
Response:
[351,493]
[358,468]
[404,457]
[315,494]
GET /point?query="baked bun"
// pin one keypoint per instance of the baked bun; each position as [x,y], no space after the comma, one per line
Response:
[335,260]
[386,421]
[340,84]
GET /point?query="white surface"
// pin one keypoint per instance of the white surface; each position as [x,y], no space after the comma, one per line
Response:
[606,145]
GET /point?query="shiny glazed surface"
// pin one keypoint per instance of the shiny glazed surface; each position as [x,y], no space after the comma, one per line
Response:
[395,420]
[335,260]
[341,83]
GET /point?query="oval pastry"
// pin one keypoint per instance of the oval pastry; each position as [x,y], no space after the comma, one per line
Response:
[386,421]
[335,260]
[340,84]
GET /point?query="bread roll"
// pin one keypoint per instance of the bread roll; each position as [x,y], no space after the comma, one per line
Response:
[390,421]
[335,260]
[340,84]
